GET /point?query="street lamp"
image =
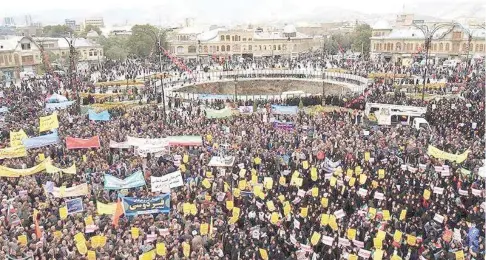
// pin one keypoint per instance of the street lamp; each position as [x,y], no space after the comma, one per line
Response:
[236,92]
[469,39]
[429,35]
[322,68]
[72,52]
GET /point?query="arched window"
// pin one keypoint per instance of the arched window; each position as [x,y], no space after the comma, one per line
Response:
[227,48]
[249,47]
[464,47]
[441,46]
[227,37]
[217,48]
[180,49]
[435,46]
[260,47]
[222,48]
[477,47]
[274,47]
[265,47]
[481,47]
[236,38]
[205,49]
[398,46]
[191,49]
[447,47]
[279,47]
[222,37]
[232,38]
[211,49]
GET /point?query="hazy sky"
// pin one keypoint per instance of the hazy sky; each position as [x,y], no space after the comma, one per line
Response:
[206,10]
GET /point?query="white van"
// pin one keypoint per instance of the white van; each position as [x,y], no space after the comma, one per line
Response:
[388,114]
[420,122]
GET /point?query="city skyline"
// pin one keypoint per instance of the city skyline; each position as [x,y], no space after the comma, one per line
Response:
[217,12]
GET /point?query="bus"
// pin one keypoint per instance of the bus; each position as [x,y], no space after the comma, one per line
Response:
[388,114]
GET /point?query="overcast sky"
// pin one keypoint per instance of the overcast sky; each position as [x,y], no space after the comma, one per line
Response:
[207,10]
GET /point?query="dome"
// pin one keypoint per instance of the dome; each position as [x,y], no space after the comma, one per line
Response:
[92,34]
[289,29]
[381,25]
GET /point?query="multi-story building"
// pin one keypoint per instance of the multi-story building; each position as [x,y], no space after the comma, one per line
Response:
[8,21]
[195,43]
[20,53]
[404,43]
[70,23]
[94,21]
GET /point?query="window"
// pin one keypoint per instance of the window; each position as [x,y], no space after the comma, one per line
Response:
[217,48]
[447,47]
[25,59]
[250,39]
[90,53]
[191,49]
[210,48]
[227,37]
[244,39]
[261,47]
[434,47]
[227,48]
[1,58]
[398,46]
[249,47]
[279,47]
[233,38]
[223,48]
[205,49]
[456,35]
[464,47]
[237,38]
[274,47]
[441,46]
[264,47]
[10,58]
[481,47]
[222,37]
[25,46]
[180,49]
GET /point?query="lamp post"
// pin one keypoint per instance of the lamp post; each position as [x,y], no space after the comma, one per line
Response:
[72,52]
[469,40]
[322,68]
[236,91]
[429,32]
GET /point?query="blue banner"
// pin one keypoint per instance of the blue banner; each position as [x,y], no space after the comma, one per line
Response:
[62,105]
[101,116]
[41,141]
[135,180]
[140,206]
[3,109]
[285,110]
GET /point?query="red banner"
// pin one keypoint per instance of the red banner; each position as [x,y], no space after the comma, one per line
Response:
[79,143]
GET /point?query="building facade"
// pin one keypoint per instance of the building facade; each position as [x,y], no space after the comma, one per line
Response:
[196,43]
[406,44]
[23,54]
[94,21]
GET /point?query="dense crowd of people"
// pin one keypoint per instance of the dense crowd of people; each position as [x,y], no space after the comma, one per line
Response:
[325,186]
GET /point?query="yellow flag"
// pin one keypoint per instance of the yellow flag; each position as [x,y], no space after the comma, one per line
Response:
[426,194]
[459,255]
[263,254]
[324,202]
[185,159]
[397,237]
[206,184]
[351,233]
[204,229]
[315,192]
[186,249]
[305,165]
[63,213]
[274,218]
[22,239]
[150,255]
[314,173]
[91,255]
[411,240]
[324,219]
[386,215]
[362,179]
[236,212]
[304,212]
[378,242]
[135,232]
[403,214]
[270,205]
[315,238]
[82,248]
[161,249]
[229,204]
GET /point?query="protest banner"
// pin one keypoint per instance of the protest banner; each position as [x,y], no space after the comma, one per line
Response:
[74,206]
[166,182]
[10,172]
[62,105]
[245,110]
[47,123]
[284,110]
[223,113]
[53,169]
[121,145]
[13,152]
[17,137]
[80,143]
[140,206]
[101,116]
[134,180]
[439,154]
[105,209]
[74,191]
[41,141]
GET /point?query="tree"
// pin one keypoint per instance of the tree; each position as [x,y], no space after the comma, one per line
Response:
[115,47]
[116,53]
[144,38]
[361,39]
[56,30]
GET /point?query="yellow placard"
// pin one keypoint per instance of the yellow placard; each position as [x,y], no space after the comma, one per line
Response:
[150,255]
[324,219]
[372,212]
[315,238]
[22,239]
[135,232]
[57,234]
[236,192]
[242,173]
[362,179]
[305,165]
[304,212]
[274,218]
[105,209]
[47,123]
[378,254]
[314,173]
[236,212]
[63,212]
[349,172]
[91,255]
[254,179]
[257,160]
[352,257]
[333,223]
[397,236]
[367,156]
[281,180]
[98,241]
[403,214]
[242,185]
[378,243]
[206,184]
[381,234]
[459,255]
[185,158]
[426,194]
[268,183]
[186,249]
[257,190]
[411,240]
[229,204]
[386,215]
[395,257]
[351,234]
[324,202]
[333,181]
[182,167]
[374,184]
[281,198]
[270,205]
[204,229]
[160,249]
[381,173]
[17,137]
[263,254]
[82,248]
[315,192]
[286,208]
[352,181]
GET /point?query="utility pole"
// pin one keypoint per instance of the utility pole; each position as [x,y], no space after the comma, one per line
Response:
[236,91]
[323,62]
[72,66]
[429,35]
